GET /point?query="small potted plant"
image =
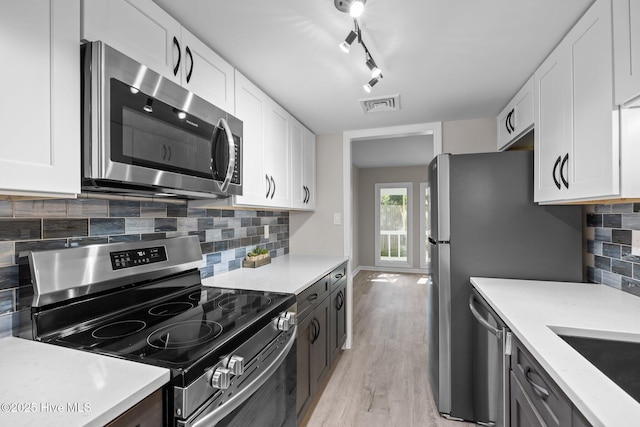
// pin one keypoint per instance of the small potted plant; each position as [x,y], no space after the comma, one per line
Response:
[256,258]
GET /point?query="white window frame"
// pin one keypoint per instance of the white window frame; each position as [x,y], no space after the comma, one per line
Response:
[385,263]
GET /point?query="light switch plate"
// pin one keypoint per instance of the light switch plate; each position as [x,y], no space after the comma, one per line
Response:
[635,242]
[266,231]
[336,218]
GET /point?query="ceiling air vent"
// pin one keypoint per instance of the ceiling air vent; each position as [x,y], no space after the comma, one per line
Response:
[379,105]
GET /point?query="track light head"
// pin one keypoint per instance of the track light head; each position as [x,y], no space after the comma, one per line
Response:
[370,85]
[356,8]
[371,64]
[148,107]
[345,46]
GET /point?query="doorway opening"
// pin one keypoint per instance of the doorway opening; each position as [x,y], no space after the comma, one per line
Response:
[394,237]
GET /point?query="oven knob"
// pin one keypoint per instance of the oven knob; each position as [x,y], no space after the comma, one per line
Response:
[291,318]
[221,378]
[283,323]
[236,365]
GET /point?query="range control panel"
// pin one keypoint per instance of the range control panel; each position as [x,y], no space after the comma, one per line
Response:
[137,257]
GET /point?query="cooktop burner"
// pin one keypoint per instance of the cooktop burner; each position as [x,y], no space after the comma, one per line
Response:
[170,308]
[118,329]
[184,334]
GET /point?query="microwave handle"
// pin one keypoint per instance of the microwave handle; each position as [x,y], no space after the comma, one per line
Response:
[232,155]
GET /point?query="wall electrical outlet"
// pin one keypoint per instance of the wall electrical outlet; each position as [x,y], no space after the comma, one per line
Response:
[266,231]
[635,242]
[336,219]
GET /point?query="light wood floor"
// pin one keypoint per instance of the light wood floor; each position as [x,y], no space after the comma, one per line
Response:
[382,380]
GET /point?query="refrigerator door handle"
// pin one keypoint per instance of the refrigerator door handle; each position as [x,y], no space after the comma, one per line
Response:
[483,322]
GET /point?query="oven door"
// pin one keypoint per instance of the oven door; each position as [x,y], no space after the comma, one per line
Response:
[267,400]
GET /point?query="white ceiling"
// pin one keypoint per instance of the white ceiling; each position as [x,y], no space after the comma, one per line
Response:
[392,152]
[448,59]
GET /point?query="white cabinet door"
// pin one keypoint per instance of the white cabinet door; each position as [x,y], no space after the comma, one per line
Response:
[551,84]
[309,168]
[40,108]
[278,155]
[517,117]
[143,31]
[298,192]
[626,45]
[206,74]
[251,108]
[576,138]
[138,28]
[594,156]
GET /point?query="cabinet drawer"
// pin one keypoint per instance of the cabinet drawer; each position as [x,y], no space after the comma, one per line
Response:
[311,296]
[554,407]
[338,273]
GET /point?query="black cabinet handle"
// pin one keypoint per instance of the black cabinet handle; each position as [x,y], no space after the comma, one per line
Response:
[338,296]
[513,113]
[306,194]
[177,67]
[319,329]
[564,180]
[339,276]
[341,300]
[268,185]
[506,122]
[273,181]
[542,392]
[188,51]
[555,167]
[169,158]
[314,335]
[312,297]
[164,152]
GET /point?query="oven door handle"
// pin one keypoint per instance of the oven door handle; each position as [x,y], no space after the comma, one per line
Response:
[232,155]
[215,416]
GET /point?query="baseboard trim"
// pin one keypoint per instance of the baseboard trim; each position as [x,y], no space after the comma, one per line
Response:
[390,269]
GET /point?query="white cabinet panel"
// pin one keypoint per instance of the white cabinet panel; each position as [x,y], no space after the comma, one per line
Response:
[576,138]
[251,108]
[138,28]
[626,45]
[143,31]
[309,167]
[303,167]
[207,74]
[277,155]
[40,111]
[517,117]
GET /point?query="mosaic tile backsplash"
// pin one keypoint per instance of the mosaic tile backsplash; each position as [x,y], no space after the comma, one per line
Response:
[609,229]
[225,235]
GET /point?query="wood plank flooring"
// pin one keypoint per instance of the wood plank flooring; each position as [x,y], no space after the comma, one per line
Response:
[382,381]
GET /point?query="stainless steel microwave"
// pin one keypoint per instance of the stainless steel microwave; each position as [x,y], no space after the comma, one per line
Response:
[143,134]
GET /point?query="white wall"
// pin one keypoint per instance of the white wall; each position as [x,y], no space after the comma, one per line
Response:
[355,212]
[470,136]
[314,232]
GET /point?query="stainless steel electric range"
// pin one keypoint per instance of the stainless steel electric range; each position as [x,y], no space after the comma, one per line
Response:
[231,353]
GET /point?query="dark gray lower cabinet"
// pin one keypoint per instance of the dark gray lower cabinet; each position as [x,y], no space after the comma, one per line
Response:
[313,357]
[536,400]
[338,317]
[322,331]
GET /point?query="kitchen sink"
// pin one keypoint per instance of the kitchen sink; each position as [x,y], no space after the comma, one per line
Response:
[618,360]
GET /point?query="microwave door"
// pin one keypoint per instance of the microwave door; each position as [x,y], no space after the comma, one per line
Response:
[223,154]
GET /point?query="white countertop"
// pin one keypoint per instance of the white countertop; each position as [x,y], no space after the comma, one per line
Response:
[288,274]
[533,310]
[45,384]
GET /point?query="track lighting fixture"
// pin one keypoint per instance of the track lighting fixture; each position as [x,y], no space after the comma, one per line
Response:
[148,107]
[181,114]
[354,8]
[346,44]
[370,85]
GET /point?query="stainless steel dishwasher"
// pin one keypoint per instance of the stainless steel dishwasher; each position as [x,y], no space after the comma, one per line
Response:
[491,363]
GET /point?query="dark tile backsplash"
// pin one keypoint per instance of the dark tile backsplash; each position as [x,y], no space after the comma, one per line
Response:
[225,235]
[609,229]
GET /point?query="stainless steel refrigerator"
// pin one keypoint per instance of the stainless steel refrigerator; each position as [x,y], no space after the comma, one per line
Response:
[483,222]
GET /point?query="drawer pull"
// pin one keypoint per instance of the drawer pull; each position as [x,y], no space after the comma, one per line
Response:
[312,297]
[542,392]
[339,275]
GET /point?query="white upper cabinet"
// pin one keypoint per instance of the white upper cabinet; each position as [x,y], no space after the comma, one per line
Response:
[576,138]
[303,167]
[517,117]
[40,108]
[143,31]
[251,108]
[277,155]
[626,49]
